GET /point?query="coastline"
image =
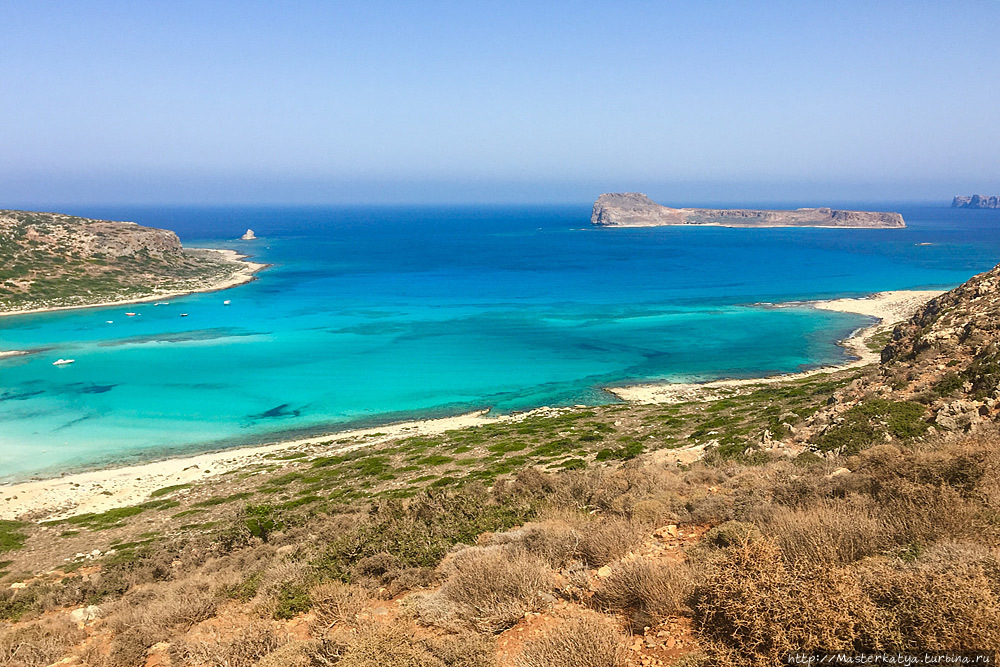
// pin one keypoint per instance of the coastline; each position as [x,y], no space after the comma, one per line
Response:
[244,274]
[108,488]
[889,308]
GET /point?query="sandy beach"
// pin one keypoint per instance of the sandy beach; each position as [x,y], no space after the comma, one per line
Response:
[101,490]
[244,274]
[889,307]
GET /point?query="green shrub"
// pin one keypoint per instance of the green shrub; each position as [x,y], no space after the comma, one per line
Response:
[868,423]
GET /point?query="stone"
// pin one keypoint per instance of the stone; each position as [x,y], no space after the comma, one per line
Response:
[85,615]
[248,236]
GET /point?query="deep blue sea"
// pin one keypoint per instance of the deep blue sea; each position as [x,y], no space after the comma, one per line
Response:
[372,314]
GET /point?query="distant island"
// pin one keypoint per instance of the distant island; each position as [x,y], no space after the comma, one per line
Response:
[51,260]
[975,201]
[633,209]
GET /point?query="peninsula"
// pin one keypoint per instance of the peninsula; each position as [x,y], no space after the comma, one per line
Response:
[634,209]
[975,201]
[51,260]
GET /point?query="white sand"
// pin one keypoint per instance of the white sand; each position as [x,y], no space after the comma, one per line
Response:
[889,307]
[243,275]
[101,490]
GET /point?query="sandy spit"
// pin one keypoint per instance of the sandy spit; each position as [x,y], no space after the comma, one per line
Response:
[889,307]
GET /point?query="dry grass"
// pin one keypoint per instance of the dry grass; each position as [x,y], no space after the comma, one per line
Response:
[647,590]
[38,643]
[588,640]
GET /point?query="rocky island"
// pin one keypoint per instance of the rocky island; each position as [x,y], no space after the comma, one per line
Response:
[975,201]
[51,260]
[634,209]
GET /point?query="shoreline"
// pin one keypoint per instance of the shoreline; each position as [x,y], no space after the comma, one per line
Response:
[107,488]
[889,308]
[244,274]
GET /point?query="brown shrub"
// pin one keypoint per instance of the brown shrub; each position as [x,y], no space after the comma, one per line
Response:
[947,601]
[40,643]
[155,613]
[753,609]
[336,602]
[584,641]
[648,590]
[608,539]
[389,645]
[556,541]
[493,587]
[832,531]
[247,649]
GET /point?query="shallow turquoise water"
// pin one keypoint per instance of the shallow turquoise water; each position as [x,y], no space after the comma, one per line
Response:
[372,315]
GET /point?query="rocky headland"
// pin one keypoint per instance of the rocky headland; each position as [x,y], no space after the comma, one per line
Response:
[633,209]
[975,201]
[51,260]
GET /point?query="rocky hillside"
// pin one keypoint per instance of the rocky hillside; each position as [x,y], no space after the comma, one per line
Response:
[940,372]
[50,259]
[633,209]
[975,201]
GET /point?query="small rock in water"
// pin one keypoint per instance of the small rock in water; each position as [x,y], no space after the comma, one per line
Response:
[248,236]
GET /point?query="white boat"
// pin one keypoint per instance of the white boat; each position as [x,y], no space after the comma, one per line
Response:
[130,314]
[226,302]
[184,314]
[62,362]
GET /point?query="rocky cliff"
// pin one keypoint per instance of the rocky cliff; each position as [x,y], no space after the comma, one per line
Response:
[51,259]
[633,209]
[975,201]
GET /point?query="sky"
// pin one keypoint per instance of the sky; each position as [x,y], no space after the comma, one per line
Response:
[287,102]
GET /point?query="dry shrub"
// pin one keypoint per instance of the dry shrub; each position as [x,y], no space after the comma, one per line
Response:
[40,643]
[155,613]
[588,640]
[389,645]
[753,608]
[465,649]
[303,653]
[832,531]
[253,643]
[947,601]
[493,587]
[609,539]
[556,541]
[336,602]
[389,574]
[729,534]
[648,590]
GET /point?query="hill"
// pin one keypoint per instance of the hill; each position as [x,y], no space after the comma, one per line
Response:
[841,512]
[53,260]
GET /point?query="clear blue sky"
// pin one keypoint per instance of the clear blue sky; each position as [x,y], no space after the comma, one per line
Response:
[369,101]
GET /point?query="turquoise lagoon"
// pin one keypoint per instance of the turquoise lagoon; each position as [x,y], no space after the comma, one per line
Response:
[368,315]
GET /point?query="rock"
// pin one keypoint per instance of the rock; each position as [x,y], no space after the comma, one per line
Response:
[248,236]
[975,201]
[838,472]
[85,615]
[634,209]
[604,572]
